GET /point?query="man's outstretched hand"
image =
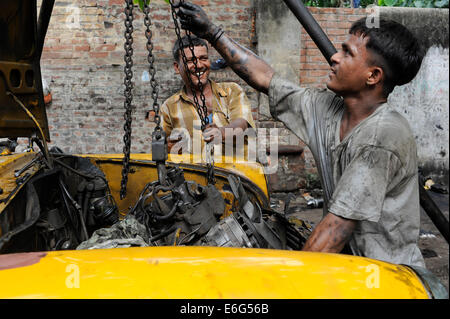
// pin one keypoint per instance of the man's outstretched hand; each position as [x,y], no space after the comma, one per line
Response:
[194,19]
[251,68]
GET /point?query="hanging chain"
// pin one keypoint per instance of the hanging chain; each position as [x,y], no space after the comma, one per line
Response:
[128,95]
[201,109]
[159,143]
[152,70]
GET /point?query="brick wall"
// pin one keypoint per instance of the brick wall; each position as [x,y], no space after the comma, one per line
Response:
[83,64]
[335,22]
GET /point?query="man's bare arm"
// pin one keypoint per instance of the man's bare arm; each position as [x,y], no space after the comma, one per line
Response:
[252,69]
[330,235]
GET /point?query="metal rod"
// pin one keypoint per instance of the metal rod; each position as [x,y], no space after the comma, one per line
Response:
[312,27]
[433,212]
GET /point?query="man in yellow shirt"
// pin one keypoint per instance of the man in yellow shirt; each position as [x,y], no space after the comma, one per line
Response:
[228,107]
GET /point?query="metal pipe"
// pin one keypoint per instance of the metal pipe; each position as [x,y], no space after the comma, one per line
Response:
[312,27]
[286,150]
[433,212]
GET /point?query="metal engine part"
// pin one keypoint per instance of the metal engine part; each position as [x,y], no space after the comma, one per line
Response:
[186,213]
[227,233]
[183,213]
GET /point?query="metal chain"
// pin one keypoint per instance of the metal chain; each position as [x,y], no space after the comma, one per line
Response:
[128,95]
[201,110]
[152,70]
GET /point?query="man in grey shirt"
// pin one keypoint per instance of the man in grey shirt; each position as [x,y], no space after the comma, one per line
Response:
[365,151]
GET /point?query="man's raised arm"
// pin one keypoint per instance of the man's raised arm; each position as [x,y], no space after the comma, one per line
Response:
[252,69]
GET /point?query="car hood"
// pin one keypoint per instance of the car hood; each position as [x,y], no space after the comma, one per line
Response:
[203,272]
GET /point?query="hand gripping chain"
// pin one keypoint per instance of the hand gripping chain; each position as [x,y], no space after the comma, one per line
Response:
[201,109]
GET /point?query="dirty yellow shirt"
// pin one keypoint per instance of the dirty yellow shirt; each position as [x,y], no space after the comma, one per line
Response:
[179,114]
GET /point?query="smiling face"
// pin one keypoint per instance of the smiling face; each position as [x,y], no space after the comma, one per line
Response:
[203,66]
[350,69]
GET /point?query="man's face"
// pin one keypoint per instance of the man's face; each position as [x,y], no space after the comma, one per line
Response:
[349,69]
[203,66]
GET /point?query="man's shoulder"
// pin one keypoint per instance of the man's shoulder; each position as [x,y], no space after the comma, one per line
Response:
[229,87]
[389,130]
[321,97]
[392,124]
[173,99]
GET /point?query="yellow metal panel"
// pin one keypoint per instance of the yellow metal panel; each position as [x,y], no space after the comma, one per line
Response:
[251,170]
[140,175]
[206,272]
[8,165]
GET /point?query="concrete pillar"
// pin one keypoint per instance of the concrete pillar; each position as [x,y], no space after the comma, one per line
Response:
[278,36]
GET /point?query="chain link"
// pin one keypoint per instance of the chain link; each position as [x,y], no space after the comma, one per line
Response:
[152,70]
[201,109]
[128,58]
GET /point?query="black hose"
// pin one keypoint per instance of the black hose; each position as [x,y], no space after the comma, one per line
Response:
[169,215]
[312,27]
[433,212]
[164,233]
[87,198]
[143,200]
[78,172]
[75,205]
[69,213]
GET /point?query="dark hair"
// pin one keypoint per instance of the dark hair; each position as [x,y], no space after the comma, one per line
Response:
[394,48]
[184,43]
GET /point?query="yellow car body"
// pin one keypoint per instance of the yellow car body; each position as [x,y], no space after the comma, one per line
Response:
[192,272]
[204,272]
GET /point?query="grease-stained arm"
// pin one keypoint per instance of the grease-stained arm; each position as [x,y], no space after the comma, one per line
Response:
[251,68]
[330,235]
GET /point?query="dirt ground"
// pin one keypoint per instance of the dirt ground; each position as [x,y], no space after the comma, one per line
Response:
[433,246]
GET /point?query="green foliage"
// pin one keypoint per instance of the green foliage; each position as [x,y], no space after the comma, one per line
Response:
[142,3]
[365,3]
[414,3]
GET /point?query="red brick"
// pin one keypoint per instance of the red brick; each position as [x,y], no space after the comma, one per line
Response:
[82,48]
[337,31]
[319,73]
[98,54]
[105,47]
